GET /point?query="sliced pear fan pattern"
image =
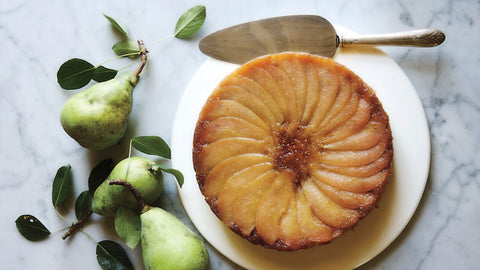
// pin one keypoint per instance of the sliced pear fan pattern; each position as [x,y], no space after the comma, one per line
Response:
[291,150]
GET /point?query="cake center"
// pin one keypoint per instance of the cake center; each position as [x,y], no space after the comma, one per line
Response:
[291,151]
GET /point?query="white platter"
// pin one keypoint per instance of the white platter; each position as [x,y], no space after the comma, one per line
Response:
[374,233]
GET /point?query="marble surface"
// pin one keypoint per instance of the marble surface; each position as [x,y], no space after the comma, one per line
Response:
[38,36]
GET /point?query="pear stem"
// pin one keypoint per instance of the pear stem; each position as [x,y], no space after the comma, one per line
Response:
[76,226]
[134,191]
[143,53]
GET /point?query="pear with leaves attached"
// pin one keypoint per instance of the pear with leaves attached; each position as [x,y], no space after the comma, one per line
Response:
[97,118]
[166,242]
[141,172]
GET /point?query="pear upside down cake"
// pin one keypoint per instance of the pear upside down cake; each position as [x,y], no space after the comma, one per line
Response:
[291,150]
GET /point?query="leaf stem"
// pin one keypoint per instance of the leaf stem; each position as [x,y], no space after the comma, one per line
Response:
[116,58]
[88,235]
[61,230]
[150,44]
[76,226]
[62,217]
[127,66]
[134,191]
[143,54]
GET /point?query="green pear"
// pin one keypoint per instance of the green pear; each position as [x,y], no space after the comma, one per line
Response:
[168,244]
[147,180]
[97,117]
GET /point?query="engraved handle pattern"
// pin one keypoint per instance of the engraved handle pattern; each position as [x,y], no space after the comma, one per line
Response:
[416,38]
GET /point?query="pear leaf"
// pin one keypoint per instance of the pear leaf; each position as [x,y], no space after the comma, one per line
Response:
[98,174]
[127,48]
[127,226]
[111,256]
[31,228]
[75,73]
[178,175]
[83,205]
[190,22]
[102,74]
[62,185]
[122,29]
[152,145]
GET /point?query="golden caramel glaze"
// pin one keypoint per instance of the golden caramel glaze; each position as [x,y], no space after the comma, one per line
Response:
[291,150]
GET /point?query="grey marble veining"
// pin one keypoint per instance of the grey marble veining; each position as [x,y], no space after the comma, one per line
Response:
[37,36]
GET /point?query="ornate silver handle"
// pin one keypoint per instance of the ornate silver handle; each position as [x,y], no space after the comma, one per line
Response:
[416,38]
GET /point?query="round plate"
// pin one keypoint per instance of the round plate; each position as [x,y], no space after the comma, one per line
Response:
[371,235]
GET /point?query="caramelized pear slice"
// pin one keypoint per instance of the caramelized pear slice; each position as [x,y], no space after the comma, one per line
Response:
[310,226]
[351,127]
[346,199]
[296,74]
[343,97]
[283,81]
[312,91]
[217,177]
[231,188]
[222,108]
[212,154]
[328,93]
[255,89]
[228,127]
[327,211]
[346,114]
[269,84]
[272,207]
[352,158]
[290,230]
[233,92]
[363,171]
[350,183]
[367,138]
[247,202]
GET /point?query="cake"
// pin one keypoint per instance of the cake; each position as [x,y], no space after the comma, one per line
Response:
[291,150]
